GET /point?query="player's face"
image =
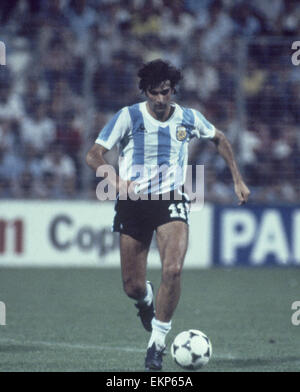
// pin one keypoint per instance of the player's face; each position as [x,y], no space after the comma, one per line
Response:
[159,97]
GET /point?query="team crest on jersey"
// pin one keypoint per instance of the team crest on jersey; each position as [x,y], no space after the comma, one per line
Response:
[181,133]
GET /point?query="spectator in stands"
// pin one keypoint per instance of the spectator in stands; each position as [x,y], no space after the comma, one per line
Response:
[177,23]
[114,84]
[53,14]
[11,167]
[146,21]
[8,139]
[5,191]
[81,17]
[49,187]
[63,100]
[57,62]
[11,105]
[33,90]
[201,79]
[59,164]
[37,130]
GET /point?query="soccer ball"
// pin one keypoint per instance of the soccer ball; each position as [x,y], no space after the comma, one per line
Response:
[191,349]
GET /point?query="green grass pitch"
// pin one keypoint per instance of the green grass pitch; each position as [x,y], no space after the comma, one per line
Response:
[79,320]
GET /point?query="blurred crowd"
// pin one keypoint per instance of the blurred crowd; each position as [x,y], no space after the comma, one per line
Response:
[72,63]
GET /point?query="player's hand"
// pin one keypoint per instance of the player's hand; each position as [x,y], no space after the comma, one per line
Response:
[132,190]
[242,192]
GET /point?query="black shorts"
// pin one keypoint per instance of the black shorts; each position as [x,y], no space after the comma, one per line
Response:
[141,217]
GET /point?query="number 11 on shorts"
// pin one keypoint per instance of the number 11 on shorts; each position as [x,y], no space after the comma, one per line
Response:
[179,210]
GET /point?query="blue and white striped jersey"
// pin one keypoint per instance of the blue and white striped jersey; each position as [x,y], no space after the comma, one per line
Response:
[152,153]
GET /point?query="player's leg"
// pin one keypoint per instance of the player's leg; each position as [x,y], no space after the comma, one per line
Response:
[172,240]
[133,267]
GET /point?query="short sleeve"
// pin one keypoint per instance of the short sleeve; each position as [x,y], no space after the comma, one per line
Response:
[205,129]
[114,130]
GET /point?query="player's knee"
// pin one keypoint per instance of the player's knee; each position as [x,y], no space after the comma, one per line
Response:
[172,272]
[133,289]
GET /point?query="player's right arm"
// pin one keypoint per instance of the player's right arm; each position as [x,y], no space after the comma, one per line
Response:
[108,137]
[95,156]
[95,159]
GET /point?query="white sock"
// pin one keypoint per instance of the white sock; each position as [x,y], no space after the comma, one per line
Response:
[149,295]
[159,333]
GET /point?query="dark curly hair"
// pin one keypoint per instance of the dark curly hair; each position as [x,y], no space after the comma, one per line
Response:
[157,71]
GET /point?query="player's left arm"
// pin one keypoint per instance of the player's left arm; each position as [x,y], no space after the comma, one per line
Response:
[225,150]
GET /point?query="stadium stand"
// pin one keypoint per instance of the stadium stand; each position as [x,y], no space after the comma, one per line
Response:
[71,64]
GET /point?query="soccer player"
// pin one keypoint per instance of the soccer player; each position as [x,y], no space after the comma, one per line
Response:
[154,134]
